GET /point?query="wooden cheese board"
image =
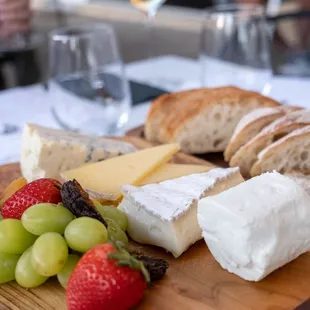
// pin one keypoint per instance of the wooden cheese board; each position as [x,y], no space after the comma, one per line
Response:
[215,158]
[194,281]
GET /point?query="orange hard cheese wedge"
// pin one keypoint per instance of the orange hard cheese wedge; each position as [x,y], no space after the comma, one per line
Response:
[12,189]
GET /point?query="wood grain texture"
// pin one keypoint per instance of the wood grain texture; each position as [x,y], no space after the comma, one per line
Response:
[195,281]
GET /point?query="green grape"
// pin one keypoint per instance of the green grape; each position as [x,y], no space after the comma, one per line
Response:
[46,217]
[115,232]
[84,233]
[8,264]
[14,238]
[114,214]
[64,275]
[1,218]
[49,254]
[25,274]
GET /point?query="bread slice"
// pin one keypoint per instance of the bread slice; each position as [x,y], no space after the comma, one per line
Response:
[251,124]
[201,120]
[246,156]
[292,152]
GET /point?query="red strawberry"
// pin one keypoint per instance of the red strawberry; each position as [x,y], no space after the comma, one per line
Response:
[103,280]
[41,190]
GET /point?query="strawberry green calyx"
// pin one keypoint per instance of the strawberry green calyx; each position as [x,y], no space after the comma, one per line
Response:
[124,259]
[58,185]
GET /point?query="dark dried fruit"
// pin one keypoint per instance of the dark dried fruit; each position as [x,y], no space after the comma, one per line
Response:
[75,199]
[156,267]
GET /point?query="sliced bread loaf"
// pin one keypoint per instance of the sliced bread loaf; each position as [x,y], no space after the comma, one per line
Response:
[247,155]
[201,120]
[251,124]
[290,153]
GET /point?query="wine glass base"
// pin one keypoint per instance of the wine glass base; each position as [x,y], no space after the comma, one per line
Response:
[93,127]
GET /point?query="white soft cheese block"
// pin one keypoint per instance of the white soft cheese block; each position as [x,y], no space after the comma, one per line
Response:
[257,226]
[47,152]
[165,214]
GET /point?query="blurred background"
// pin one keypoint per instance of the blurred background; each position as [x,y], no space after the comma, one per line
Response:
[177,22]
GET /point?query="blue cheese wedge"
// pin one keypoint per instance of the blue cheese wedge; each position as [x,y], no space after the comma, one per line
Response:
[48,152]
[165,214]
[257,226]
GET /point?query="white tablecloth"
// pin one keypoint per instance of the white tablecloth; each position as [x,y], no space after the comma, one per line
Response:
[29,104]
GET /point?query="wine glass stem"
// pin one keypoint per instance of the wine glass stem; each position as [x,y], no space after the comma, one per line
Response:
[149,33]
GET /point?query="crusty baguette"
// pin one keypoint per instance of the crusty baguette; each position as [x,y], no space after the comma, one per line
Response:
[291,152]
[202,120]
[251,124]
[246,156]
[164,106]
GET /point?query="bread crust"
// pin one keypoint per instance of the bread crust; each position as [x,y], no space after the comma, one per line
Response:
[162,107]
[249,126]
[284,152]
[170,122]
[212,97]
[247,155]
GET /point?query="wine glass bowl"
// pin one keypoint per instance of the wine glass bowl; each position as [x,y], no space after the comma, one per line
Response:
[88,89]
[235,47]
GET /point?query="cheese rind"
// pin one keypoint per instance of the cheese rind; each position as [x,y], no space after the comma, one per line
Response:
[173,171]
[165,214]
[47,152]
[257,226]
[103,180]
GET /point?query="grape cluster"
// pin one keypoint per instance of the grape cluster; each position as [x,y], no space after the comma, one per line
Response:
[49,241]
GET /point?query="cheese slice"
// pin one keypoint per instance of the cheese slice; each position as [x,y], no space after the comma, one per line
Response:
[173,171]
[257,226]
[163,173]
[103,180]
[47,152]
[165,214]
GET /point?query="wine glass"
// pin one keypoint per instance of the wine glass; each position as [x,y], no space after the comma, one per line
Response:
[88,90]
[150,9]
[235,47]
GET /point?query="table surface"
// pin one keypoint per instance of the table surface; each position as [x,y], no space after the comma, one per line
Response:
[21,105]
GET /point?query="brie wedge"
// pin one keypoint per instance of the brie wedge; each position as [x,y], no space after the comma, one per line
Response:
[257,226]
[47,152]
[165,214]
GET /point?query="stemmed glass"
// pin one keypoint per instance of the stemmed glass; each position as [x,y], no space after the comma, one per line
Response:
[88,90]
[150,9]
[235,47]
